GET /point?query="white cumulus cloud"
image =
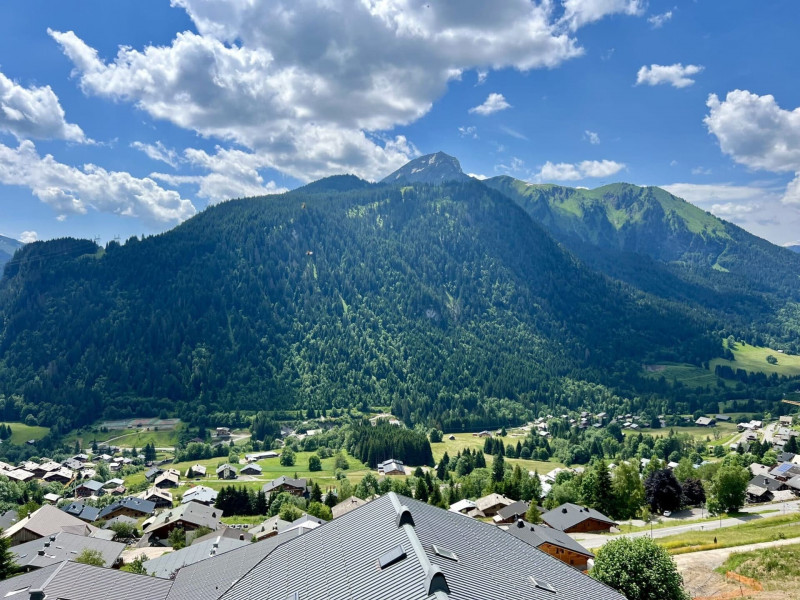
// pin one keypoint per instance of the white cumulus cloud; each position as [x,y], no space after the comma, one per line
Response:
[494,103]
[578,13]
[70,190]
[27,237]
[34,112]
[676,75]
[323,106]
[658,21]
[756,132]
[158,151]
[575,171]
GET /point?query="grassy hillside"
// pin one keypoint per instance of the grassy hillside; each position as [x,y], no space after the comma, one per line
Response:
[753,359]
[689,375]
[21,433]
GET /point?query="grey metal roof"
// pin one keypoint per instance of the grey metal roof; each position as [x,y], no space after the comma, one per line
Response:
[76,581]
[340,561]
[83,511]
[766,482]
[201,494]
[518,508]
[63,546]
[536,535]
[121,519]
[211,578]
[91,484]
[48,519]
[166,565]
[8,518]
[568,515]
[276,483]
[146,507]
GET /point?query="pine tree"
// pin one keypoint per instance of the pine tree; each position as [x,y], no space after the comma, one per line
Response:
[498,468]
[7,565]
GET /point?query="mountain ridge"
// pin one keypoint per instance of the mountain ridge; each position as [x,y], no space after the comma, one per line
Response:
[433,168]
[7,248]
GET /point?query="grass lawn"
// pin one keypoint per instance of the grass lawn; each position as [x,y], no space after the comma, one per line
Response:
[21,433]
[725,430]
[753,359]
[664,523]
[128,438]
[467,440]
[776,568]
[689,375]
[752,532]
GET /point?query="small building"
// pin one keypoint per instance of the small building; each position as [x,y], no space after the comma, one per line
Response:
[20,475]
[188,517]
[43,522]
[226,471]
[463,506]
[762,487]
[200,494]
[723,418]
[82,511]
[52,498]
[89,488]
[571,518]
[151,474]
[345,506]
[167,480]
[63,476]
[512,513]
[161,498]
[251,469]
[491,504]
[222,432]
[705,422]
[196,471]
[391,467]
[786,420]
[134,508]
[553,542]
[254,456]
[296,487]
[268,528]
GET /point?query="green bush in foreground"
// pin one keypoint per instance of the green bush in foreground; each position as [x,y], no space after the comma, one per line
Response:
[639,569]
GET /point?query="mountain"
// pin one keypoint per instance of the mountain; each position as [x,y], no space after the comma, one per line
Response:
[668,247]
[447,303]
[794,248]
[432,168]
[7,248]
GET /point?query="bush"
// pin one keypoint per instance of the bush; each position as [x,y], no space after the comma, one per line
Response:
[341,462]
[289,512]
[90,557]
[314,463]
[319,510]
[287,457]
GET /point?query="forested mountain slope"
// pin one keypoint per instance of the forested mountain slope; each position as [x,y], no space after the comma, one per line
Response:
[448,303]
[670,248]
[7,248]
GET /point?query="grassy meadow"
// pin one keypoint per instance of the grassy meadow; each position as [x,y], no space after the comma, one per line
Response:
[689,375]
[463,441]
[21,433]
[753,359]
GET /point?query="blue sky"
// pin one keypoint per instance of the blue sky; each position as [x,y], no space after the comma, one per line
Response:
[125,118]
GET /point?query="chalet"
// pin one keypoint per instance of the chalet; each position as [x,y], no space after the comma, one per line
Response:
[63,476]
[786,457]
[226,471]
[167,480]
[251,469]
[200,494]
[511,513]
[483,434]
[89,488]
[222,432]
[72,464]
[296,487]
[705,422]
[20,475]
[794,484]
[48,519]
[187,516]
[196,471]
[391,467]
[759,469]
[463,506]
[571,518]
[761,488]
[786,420]
[268,528]
[81,458]
[82,511]
[491,504]
[151,474]
[785,471]
[161,498]
[135,508]
[345,506]
[723,418]
[63,546]
[392,547]
[553,542]
[52,498]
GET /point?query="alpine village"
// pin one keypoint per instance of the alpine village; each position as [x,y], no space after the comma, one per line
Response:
[427,384]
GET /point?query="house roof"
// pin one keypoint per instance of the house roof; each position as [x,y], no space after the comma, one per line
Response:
[201,494]
[121,519]
[75,581]
[82,511]
[784,469]
[8,518]
[252,467]
[283,480]
[536,535]
[492,500]
[63,546]
[342,561]
[345,506]
[225,466]
[154,491]
[568,515]
[273,524]
[785,457]
[91,484]
[766,482]
[462,505]
[210,579]
[515,508]
[167,564]
[146,507]
[48,519]
[191,512]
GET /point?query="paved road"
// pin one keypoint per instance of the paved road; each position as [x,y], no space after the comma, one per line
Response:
[595,540]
